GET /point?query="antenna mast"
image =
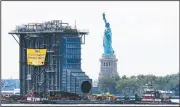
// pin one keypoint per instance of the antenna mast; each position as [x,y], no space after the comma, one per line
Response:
[75,24]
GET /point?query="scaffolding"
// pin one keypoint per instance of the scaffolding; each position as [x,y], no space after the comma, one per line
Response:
[63,44]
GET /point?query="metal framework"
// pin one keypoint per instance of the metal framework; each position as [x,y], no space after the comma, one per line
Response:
[63,44]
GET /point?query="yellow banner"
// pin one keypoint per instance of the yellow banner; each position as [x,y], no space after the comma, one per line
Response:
[36,57]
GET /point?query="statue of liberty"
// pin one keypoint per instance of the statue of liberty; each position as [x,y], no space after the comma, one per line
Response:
[107,40]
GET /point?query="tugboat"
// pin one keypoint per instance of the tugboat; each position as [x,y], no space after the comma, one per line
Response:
[150,95]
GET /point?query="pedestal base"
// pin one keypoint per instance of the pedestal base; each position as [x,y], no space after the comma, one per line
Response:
[108,65]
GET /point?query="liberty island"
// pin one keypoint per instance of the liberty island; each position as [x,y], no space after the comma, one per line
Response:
[108,67]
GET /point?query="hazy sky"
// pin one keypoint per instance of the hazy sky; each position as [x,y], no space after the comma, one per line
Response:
[145,35]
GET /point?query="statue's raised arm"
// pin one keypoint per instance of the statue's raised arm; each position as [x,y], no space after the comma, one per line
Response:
[104,18]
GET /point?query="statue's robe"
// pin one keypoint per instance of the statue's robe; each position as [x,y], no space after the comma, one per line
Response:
[107,42]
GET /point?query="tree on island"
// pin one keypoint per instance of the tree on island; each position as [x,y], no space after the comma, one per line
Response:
[133,85]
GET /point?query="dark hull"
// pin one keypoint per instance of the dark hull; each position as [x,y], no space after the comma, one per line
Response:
[84,102]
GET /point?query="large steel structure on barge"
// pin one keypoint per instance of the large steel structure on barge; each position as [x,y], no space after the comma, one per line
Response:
[61,71]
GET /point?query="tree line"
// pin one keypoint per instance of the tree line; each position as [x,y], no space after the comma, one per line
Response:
[134,85]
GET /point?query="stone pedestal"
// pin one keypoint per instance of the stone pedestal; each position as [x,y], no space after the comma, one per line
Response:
[108,66]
